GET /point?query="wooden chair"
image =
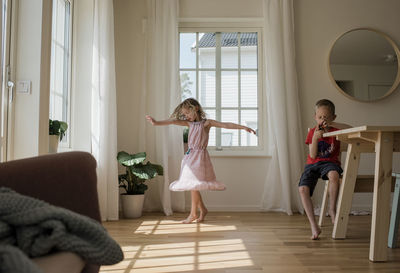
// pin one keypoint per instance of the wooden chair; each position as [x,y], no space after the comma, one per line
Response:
[364,183]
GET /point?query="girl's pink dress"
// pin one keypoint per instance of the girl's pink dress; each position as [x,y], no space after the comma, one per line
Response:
[197,172]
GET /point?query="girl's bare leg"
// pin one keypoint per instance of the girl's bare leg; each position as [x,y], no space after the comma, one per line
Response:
[193,210]
[203,209]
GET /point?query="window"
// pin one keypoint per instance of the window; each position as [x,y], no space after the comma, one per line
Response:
[220,70]
[61,63]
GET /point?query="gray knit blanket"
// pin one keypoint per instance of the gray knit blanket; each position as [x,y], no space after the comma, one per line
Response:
[32,228]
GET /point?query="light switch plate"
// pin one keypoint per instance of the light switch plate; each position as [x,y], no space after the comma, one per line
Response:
[23,87]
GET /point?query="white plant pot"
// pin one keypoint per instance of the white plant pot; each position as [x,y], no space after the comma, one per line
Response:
[53,143]
[132,205]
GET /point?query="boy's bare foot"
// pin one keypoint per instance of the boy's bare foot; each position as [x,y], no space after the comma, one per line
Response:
[316,231]
[332,214]
[189,219]
[203,214]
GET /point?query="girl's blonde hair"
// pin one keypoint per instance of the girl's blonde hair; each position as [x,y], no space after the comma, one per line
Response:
[191,104]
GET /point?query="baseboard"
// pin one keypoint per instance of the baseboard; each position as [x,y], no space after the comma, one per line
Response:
[231,208]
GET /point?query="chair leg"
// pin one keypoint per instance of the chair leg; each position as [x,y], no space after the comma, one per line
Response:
[395,217]
[324,204]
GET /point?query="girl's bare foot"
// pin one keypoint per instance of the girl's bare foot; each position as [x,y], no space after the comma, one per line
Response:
[189,219]
[203,214]
[316,231]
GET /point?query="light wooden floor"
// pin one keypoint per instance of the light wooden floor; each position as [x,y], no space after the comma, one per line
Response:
[245,242]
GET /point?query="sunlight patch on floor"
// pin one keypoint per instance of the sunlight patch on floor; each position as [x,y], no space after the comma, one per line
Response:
[179,228]
[185,256]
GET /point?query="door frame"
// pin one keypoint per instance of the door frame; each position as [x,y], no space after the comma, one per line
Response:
[7,79]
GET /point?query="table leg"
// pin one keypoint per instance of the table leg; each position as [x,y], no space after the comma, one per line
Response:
[346,192]
[381,199]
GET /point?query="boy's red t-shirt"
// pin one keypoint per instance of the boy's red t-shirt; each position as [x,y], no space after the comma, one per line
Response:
[328,148]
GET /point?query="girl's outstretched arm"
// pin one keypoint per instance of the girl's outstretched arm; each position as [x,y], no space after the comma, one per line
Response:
[228,125]
[166,122]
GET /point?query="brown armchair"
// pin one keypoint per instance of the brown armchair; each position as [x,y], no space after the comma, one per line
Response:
[65,179]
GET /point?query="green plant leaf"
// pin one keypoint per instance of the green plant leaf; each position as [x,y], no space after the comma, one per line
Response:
[58,128]
[63,129]
[63,126]
[159,168]
[54,127]
[147,171]
[137,172]
[128,160]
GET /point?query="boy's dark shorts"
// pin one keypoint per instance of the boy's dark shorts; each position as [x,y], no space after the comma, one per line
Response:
[314,171]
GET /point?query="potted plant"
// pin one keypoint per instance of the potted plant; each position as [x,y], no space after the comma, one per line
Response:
[57,131]
[133,181]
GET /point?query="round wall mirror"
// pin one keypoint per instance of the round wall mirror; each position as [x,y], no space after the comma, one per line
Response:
[364,64]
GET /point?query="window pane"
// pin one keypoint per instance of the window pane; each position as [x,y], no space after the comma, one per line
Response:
[58,73]
[248,88]
[211,115]
[229,137]
[207,50]
[207,88]
[188,84]
[249,119]
[60,23]
[229,89]
[187,50]
[235,102]
[229,50]
[60,62]
[58,104]
[248,50]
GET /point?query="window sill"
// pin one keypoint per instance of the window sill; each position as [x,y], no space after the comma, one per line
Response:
[237,153]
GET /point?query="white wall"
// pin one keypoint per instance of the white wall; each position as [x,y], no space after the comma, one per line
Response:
[28,49]
[220,8]
[317,24]
[129,63]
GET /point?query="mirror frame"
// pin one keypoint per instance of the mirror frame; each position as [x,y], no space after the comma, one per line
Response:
[396,49]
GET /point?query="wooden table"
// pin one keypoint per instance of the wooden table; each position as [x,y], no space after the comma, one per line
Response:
[382,140]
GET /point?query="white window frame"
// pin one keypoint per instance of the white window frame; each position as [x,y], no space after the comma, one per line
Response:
[260,150]
[65,144]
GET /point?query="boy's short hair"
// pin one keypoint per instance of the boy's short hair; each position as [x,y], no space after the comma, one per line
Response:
[327,103]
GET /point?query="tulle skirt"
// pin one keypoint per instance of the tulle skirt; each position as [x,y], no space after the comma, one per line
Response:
[197,173]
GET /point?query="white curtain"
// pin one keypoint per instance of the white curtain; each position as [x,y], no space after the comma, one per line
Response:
[285,132]
[103,109]
[160,95]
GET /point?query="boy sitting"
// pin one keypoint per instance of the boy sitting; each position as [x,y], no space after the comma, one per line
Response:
[322,161]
